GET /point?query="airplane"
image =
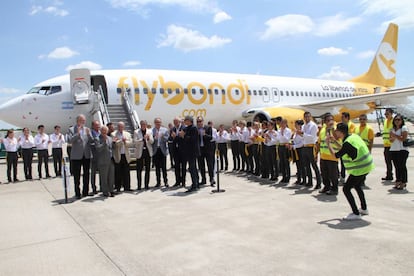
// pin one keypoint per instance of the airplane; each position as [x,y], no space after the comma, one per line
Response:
[218,97]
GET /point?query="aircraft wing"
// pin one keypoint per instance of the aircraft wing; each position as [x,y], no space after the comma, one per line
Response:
[388,98]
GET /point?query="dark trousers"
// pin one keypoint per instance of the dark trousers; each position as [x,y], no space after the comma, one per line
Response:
[256,158]
[329,172]
[179,168]
[192,169]
[57,160]
[356,183]
[206,156]
[160,163]
[243,159]
[144,161]
[388,162]
[43,157]
[94,169]
[399,158]
[11,160]
[235,151]
[249,157]
[224,161]
[284,163]
[309,161]
[77,165]
[122,177]
[269,165]
[299,165]
[27,162]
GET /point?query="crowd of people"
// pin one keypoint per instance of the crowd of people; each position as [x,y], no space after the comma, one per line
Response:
[264,149]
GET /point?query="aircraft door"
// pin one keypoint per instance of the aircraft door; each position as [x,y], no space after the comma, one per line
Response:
[80,85]
[266,94]
[99,81]
[275,95]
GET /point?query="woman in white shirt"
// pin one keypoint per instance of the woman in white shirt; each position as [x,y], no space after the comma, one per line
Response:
[11,145]
[399,153]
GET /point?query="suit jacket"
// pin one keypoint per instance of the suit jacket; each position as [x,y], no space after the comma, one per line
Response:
[139,142]
[175,142]
[208,142]
[80,143]
[190,143]
[160,140]
[103,150]
[116,151]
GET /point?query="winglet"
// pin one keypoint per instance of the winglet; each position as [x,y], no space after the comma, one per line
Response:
[382,70]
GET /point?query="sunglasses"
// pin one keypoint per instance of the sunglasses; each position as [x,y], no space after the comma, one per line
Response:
[397,119]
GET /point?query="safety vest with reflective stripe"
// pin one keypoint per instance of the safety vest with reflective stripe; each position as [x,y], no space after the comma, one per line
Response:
[323,147]
[363,163]
[386,132]
[364,133]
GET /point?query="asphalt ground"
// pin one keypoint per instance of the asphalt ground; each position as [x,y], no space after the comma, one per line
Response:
[255,227]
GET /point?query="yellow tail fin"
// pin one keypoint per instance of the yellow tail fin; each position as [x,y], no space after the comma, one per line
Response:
[382,71]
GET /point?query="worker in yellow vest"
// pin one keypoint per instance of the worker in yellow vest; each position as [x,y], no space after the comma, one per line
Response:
[365,131]
[387,143]
[358,162]
[328,162]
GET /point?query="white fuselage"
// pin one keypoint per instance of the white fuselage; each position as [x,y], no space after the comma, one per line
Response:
[219,97]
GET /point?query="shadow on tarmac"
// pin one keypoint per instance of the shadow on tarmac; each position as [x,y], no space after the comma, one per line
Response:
[344,225]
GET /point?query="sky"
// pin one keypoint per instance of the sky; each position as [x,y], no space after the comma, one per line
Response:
[326,39]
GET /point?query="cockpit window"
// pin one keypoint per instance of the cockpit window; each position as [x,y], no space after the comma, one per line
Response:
[45,90]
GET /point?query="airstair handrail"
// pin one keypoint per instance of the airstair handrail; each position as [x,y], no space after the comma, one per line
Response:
[131,112]
[102,106]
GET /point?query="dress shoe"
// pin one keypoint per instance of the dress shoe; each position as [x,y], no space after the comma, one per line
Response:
[273,178]
[78,197]
[308,184]
[317,187]
[111,195]
[176,184]
[16,180]
[324,190]
[332,192]
[387,178]
[127,190]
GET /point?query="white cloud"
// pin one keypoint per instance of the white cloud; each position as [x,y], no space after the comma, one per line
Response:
[297,24]
[287,25]
[53,10]
[131,63]
[142,6]
[332,51]
[188,40]
[366,54]
[5,90]
[61,53]
[84,64]
[332,25]
[400,11]
[220,17]
[336,73]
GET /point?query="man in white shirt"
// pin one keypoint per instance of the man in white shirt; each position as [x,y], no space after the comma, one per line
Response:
[42,142]
[310,137]
[27,144]
[57,139]
[284,134]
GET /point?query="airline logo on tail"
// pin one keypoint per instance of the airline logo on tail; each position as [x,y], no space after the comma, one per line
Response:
[382,71]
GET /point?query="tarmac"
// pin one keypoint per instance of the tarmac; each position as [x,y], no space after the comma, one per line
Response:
[255,227]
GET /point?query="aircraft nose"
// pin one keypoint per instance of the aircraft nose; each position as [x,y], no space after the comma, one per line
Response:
[10,111]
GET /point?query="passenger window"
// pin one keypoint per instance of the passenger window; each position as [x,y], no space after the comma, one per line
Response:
[223,91]
[255,92]
[161,90]
[281,93]
[177,91]
[169,90]
[193,91]
[137,90]
[301,93]
[209,91]
[185,91]
[319,94]
[145,90]
[237,91]
[154,90]
[306,93]
[201,91]
[216,91]
[260,93]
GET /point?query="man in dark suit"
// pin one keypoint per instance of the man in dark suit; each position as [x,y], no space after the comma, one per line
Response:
[190,150]
[207,148]
[79,136]
[175,144]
